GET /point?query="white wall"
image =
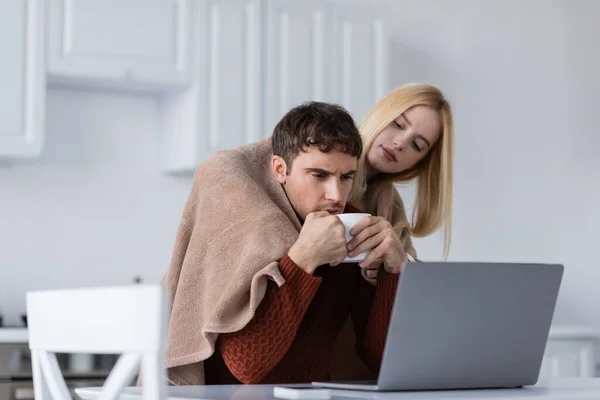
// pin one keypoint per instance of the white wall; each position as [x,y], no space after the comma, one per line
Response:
[523,79]
[95,209]
[521,76]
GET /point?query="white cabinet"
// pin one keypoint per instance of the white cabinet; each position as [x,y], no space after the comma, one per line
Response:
[298,44]
[318,50]
[570,352]
[139,44]
[22,78]
[232,69]
[359,58]
[256,59]
[223,107]
[226,70]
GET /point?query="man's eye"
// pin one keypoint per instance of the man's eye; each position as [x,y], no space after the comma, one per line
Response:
[319,176]
[347,177]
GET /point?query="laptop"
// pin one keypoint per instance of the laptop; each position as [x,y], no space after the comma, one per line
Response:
[466,325]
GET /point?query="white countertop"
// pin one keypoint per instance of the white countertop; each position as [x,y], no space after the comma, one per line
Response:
[20,335]
[570,332]
[14,335]
[555,389]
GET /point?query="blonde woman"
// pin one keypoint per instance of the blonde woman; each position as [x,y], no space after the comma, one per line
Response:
[407,135]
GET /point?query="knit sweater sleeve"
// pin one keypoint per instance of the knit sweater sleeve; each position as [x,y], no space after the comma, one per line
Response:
[371,313]
[251,353]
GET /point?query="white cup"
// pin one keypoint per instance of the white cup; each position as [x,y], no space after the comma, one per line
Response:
[349,220]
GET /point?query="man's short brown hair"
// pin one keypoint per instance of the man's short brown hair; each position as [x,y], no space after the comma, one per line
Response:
[323,125]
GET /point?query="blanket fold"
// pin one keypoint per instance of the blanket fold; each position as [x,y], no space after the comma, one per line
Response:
[236,225]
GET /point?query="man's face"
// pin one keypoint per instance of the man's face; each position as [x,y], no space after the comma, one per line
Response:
[317,181]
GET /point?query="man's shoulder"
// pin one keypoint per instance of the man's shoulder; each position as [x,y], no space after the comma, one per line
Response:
[223,159]
[235,159]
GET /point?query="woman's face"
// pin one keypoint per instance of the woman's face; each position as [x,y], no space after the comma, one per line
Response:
[405,141]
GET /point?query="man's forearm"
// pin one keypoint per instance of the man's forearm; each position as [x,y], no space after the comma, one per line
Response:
[251,353]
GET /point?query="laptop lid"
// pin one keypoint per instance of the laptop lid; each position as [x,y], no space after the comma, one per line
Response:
[469,325]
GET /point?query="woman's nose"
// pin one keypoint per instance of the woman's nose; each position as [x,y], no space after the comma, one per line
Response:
[398,144]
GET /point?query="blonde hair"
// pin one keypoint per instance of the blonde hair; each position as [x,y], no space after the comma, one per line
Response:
[433,173]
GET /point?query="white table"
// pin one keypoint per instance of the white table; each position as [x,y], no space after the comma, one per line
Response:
[555,389]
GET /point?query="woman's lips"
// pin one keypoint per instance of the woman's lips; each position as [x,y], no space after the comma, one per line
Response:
[389,154]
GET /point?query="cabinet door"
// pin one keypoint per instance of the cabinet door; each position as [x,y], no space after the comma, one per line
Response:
[233,73]
[297,39]
[359,58]
[223,109]
[120,43]
[22,78]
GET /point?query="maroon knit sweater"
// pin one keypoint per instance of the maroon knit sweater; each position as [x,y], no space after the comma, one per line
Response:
[291,337]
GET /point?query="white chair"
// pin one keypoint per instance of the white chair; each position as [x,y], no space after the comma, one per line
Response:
[129,320]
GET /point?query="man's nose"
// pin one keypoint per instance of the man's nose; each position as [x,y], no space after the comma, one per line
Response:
[334,191]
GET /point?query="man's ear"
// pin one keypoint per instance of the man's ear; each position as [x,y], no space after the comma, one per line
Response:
[279,168]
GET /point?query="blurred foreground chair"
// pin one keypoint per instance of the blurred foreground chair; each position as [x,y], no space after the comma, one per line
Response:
[126,320]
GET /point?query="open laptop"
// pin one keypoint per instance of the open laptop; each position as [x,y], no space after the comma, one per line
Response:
[466,326]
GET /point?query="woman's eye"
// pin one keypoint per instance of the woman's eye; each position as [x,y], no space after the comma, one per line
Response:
[416,146]
[398,125]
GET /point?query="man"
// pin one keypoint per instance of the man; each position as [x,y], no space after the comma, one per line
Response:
[258,290]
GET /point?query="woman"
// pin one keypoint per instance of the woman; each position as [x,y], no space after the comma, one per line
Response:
[407,135]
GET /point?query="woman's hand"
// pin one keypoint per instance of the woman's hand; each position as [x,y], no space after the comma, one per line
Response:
[376,234]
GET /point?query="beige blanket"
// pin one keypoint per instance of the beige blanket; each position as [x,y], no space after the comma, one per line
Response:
[236,225]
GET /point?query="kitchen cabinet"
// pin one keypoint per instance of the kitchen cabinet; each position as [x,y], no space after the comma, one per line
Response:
[231,43]
[16,375]
[223,107]
[22,78]
[256,59]
[298,44]
[225,71]
[134,44]
[359,58]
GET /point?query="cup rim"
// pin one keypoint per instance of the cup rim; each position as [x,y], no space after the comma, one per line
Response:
[362,214]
